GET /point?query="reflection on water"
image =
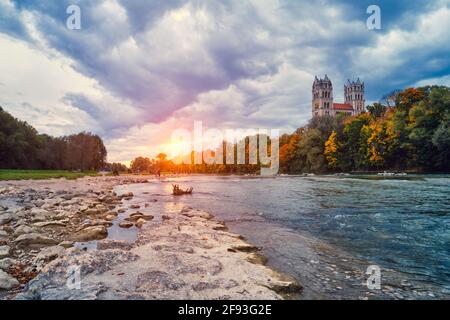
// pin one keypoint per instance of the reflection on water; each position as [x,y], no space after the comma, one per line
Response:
[402,224]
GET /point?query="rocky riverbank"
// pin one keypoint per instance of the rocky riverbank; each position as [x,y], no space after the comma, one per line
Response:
[44,226]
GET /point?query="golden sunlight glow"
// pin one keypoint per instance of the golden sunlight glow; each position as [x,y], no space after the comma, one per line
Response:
[176,149]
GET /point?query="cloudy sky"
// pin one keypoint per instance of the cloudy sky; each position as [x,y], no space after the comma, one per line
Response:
[138,69]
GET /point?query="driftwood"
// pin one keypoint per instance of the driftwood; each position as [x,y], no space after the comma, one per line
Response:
[177,191]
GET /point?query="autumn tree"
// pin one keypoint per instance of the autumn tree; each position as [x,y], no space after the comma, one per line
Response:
[140,165]
[331,151]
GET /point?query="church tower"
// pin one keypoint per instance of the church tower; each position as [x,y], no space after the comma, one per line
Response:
[354,95]
[322,97]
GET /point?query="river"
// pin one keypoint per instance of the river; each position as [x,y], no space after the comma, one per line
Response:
[326,230]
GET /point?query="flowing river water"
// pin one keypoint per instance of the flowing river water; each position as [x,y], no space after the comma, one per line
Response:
[326,230]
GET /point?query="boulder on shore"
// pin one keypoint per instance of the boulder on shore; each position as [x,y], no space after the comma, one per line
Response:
[22,229]
[33,240]
[7,282]
[91,233]
[6,218]
[4,251]
[125,224]
[6,263]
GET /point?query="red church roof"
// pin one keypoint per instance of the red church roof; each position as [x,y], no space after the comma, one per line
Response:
[342,106]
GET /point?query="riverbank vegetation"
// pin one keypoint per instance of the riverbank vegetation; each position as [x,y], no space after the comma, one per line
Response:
[22,147]
[407,130]
[42,174]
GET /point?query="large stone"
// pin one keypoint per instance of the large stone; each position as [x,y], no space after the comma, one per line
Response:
[33,240]
[140,222]
[91,233]
[39,214]
[244,248]
[6,218]
[256,258]
[4,251]
[49,254]
[138,215]
[22,229]
[110,217]
[125,224]
[285,285]
[3,234]
[66,244]
[49,224]
[7,282]
[6,263]
[92,211]
[102,208]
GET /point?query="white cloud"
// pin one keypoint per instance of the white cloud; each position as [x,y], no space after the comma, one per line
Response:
[399,48]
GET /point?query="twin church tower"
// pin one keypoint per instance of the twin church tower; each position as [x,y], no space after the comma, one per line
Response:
[322,98]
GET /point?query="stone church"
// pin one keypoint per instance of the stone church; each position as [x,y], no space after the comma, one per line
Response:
[322,98]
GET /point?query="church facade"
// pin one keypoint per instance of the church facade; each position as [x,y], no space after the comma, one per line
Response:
[322,98]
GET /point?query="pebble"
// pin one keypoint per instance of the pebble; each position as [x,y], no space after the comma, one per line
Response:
[125,224]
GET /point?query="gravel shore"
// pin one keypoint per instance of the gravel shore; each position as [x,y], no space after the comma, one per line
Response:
[54,245]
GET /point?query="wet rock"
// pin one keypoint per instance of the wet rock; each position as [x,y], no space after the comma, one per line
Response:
[256,258]
[140,222]
[125,224]
[220,227]
[110,217]
[97,232]
[33,240]
[102,223]
[136,216]
[244,248]
[147,217]
[7,282]
[4,251]
[285,285]
[66,244]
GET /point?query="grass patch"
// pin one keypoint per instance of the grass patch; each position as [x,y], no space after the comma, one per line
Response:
[42,174]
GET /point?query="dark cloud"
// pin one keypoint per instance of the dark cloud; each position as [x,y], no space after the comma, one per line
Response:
[160,60]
